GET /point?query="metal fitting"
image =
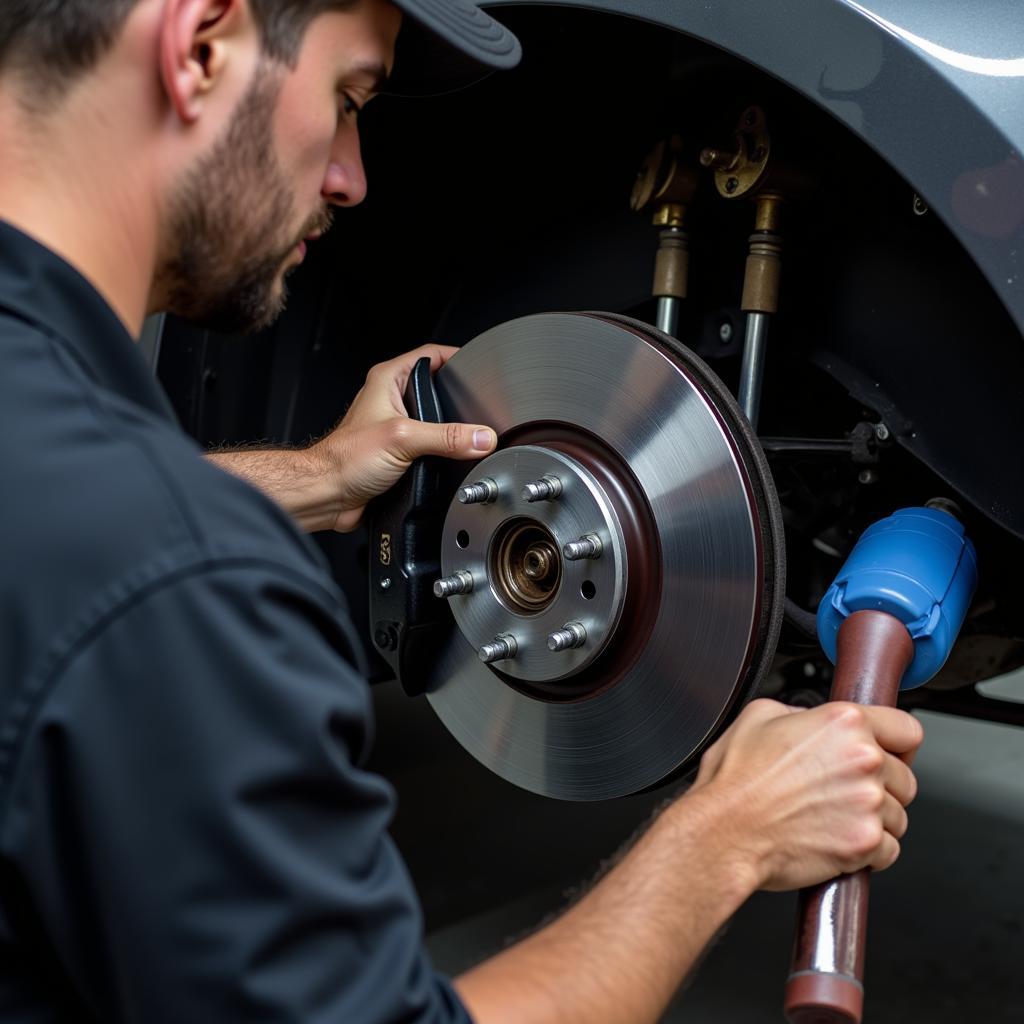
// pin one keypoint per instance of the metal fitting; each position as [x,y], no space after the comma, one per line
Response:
[572,634]
[503,646]
[588,546]
[546,488]
[460,582]
[483,492]
[947,505]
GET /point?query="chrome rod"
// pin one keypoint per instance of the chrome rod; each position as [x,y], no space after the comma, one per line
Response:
[668,315]
[752,368]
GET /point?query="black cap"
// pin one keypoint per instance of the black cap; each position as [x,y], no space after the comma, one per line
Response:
[446,44]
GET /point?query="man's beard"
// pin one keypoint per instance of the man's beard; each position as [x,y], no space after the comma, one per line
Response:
[226,250]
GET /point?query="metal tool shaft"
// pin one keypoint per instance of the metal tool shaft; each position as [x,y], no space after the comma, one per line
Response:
[825,984]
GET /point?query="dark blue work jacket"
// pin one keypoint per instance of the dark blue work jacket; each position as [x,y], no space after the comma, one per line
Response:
[186,832]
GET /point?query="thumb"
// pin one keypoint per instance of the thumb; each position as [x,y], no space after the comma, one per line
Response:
[451,440]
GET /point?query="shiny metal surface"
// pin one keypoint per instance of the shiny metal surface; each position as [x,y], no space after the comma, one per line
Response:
[499,649]
[835,913]
[469,540]
[574,634]
[586,547]
[481,492]
[667,318]
[460,582]
[602,378]
[752,367]
[547,488]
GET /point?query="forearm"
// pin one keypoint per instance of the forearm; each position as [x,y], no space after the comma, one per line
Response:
[622,951]
[298,479]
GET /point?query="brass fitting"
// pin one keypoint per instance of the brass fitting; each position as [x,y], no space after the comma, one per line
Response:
[668,184]
[664,178]
[764,259]
[669,215]
[742,168]
[672,265]
[768,215]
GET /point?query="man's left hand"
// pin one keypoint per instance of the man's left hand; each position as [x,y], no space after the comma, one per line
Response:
[376,442]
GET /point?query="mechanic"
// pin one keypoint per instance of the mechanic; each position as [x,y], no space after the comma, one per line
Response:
[186,831]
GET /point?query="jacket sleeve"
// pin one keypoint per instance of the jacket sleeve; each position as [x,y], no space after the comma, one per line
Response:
[192,827]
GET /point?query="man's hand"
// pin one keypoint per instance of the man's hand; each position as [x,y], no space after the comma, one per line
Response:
[813,794]
[328,485]
[376,442]
[784,799]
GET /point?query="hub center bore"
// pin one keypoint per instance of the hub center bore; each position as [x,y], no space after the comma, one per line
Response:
[525,565]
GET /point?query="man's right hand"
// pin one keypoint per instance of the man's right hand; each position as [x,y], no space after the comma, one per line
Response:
[812,793]
[786,798]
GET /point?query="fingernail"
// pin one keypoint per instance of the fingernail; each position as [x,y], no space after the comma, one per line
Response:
[483,440]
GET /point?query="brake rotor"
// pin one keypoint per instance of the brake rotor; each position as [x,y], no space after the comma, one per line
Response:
[599,670]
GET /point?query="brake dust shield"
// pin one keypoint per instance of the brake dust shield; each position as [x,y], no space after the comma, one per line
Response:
[609,673]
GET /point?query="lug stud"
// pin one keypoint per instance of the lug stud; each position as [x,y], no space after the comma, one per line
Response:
[502,647]
[483,492]
[544,489]
[460,582]
[588,546]
[572,634]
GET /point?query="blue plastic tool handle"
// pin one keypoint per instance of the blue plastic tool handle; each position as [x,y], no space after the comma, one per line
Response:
[919,566]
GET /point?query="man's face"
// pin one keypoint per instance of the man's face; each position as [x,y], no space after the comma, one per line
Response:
[240,220]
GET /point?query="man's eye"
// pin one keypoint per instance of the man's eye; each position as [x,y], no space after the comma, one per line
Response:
[349,107]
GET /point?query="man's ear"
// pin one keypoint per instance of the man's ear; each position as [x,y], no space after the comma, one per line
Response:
[194,47]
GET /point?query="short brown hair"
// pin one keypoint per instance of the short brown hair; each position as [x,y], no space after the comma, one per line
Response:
[55,41]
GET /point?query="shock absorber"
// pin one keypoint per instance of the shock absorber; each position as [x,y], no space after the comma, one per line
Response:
[667,182]
[760,299]
[745,170]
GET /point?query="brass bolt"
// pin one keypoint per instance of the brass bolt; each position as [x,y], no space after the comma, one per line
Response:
[669,215]
[719,159]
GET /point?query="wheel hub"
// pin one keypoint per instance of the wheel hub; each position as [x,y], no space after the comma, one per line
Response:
[524,585]
[623,548]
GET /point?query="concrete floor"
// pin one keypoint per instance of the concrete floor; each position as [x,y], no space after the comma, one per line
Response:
[946,921]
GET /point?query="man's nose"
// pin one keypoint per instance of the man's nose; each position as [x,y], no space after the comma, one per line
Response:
[345,180]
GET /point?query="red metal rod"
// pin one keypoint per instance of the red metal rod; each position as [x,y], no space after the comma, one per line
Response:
[826,980]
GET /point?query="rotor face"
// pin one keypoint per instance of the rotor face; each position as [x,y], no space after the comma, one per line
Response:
[625,557]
